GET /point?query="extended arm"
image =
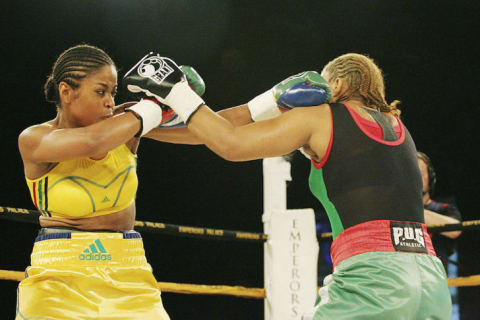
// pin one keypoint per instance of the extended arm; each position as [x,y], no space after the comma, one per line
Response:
[268,138]
[237,116]
[304,89]
[263,139]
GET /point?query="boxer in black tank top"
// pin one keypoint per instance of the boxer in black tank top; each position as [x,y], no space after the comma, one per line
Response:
[384,263]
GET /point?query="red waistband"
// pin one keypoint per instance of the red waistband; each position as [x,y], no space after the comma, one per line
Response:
[377,236]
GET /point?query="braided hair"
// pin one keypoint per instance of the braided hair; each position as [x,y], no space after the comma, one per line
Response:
[364,79]
[73,65]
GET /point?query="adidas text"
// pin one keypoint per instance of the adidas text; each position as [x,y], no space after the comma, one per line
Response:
[95,256]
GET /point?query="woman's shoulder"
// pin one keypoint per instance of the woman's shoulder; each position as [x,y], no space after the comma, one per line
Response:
[37,129]
[43,125]
[34,132]
[310,114]
[28,139]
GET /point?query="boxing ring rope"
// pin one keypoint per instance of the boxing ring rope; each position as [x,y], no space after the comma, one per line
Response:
[238,291]
[31,216]
[183,288]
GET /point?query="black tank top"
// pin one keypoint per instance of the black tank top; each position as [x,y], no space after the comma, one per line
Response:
[364,178]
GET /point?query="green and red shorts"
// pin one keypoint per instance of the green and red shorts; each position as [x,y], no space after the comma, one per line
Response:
[384,269]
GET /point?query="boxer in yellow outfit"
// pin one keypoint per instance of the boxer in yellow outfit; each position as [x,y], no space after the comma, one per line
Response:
[87,262]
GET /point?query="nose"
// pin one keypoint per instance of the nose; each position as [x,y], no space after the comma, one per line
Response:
[110,102]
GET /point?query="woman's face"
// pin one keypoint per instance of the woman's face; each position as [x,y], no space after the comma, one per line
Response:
[93,100]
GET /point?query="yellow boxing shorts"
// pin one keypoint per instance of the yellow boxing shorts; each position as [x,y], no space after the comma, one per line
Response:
[89,275]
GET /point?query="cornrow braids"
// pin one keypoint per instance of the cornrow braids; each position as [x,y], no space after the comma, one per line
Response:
[364,79]
[73,65]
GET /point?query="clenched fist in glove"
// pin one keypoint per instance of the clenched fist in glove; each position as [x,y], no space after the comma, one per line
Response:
[161,78]
[301,90]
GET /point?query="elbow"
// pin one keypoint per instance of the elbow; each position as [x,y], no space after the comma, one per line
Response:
[227,152]
[228,148]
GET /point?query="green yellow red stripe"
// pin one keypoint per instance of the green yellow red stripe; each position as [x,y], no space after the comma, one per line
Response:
[41,201]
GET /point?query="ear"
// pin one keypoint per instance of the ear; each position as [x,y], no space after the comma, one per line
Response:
[65,92]
[339,84]
[339,87]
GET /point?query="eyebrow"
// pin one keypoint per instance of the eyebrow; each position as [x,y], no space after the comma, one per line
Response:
[106,86]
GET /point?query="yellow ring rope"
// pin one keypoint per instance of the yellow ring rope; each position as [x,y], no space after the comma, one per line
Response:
[184,288]
[239,291]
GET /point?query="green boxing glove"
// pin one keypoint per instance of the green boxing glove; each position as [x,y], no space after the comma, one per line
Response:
[301,90]
[194,80]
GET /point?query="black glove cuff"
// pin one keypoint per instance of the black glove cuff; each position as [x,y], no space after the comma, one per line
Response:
[139,117]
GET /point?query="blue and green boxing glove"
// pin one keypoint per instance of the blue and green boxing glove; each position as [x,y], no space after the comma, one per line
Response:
[305,89]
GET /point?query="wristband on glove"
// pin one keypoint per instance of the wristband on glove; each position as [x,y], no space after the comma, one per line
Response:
[263,107]
[197,84]
[301,90]
[149,113]
[183,100]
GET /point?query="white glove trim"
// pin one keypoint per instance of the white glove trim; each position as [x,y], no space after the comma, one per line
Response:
[263,107]
[183,100]
[150,112]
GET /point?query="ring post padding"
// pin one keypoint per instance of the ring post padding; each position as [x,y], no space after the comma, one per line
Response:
[276,173]
[291,252]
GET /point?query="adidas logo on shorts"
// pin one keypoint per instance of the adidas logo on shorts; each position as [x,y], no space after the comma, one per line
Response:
[95,252]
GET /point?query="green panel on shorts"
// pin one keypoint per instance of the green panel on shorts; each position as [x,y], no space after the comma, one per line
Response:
[385,285]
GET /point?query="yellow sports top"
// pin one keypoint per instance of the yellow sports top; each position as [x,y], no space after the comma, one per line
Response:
[83,187]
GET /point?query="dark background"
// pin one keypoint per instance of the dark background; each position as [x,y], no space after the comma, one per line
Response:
[428,51]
